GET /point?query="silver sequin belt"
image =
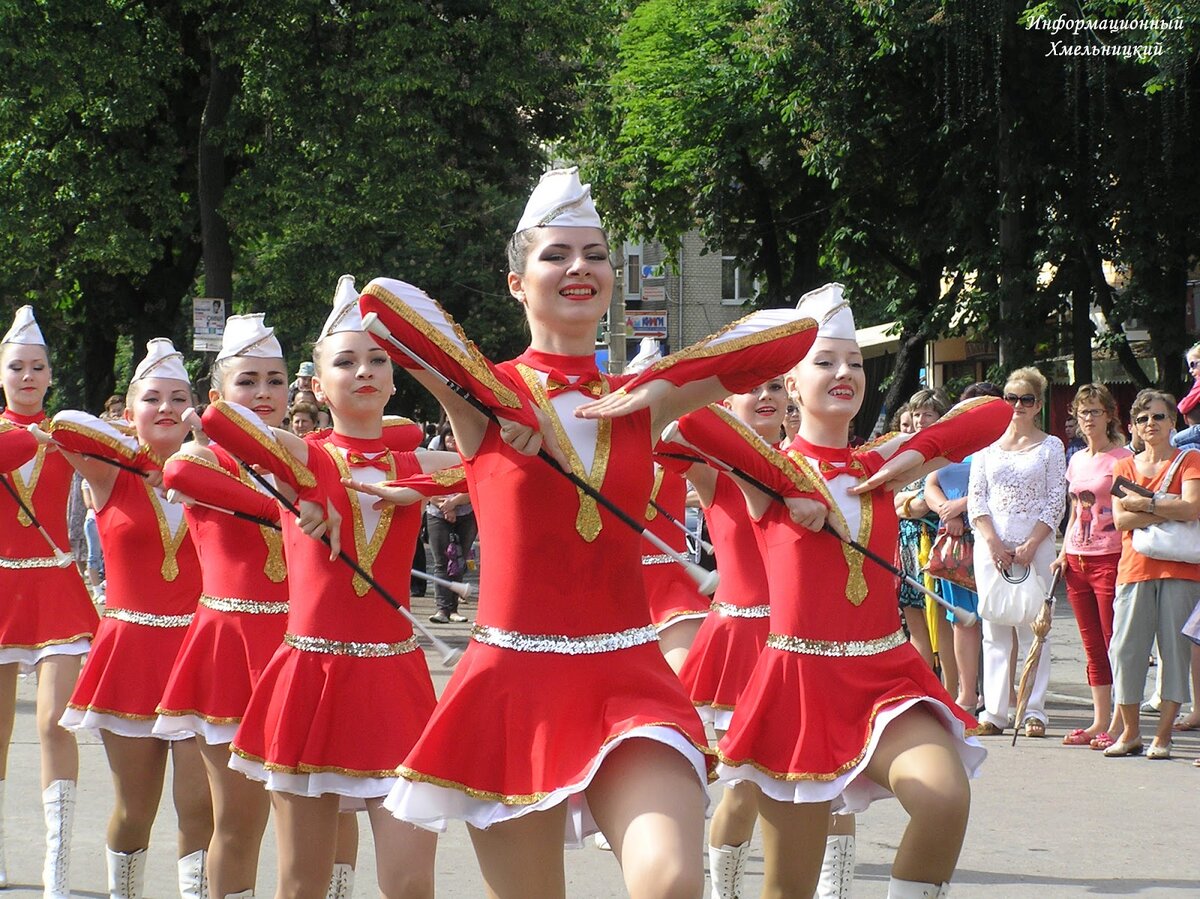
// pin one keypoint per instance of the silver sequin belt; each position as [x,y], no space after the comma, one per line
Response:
[37,562]
[729,610]
[149,619]
[659,559]
[561,644]
[245,606]
[349,647]
[838,648]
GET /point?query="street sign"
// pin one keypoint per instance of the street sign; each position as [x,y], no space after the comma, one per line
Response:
[654,271]
[656,294]
[646,324]
[208,324]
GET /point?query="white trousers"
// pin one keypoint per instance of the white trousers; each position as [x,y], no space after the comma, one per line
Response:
[999,672]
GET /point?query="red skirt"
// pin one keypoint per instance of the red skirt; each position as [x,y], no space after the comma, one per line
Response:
[805,725]
[221,659]
[672,594]
[720,662]
[517,731]
[41,609]
[323,723]
[123,678]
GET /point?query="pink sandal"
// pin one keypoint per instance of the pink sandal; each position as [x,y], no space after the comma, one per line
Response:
[1077,737]
[1102,741]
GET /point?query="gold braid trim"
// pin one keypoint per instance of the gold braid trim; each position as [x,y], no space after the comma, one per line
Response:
[472,360]
[706,349]
[856,579]
[365,551]
[25,490]
[587,520]
[651,512]
[303,476]
[170,542]
[447,477]
[119,449]
[302,768]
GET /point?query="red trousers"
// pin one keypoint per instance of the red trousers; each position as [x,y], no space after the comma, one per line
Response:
[1091,583]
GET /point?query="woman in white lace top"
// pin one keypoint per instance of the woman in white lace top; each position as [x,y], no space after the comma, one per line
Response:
[1016,497]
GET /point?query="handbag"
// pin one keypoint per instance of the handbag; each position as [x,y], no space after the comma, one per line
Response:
[1015,598]
[953,559]
[455,564]
[1170,541]
[1191,628]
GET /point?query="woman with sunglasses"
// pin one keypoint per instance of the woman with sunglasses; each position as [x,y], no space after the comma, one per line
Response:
[1154,597]
[1092,548]
[1014,504]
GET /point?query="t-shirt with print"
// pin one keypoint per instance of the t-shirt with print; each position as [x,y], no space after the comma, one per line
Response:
[1089,481]
[1134,567]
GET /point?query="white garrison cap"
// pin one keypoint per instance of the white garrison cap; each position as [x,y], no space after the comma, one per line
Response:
[560,200]
[649,352]
[25,329]
[345,315]
[829,309]
[162,361]
[247,335]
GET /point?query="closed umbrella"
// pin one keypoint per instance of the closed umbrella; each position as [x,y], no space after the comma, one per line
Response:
[1041,627]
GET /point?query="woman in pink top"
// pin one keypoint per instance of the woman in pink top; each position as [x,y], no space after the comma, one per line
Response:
[1092,549]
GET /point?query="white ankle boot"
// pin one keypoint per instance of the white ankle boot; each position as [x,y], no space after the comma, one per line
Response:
[58,806]
[726,865]
[126,872]
[837,868]
[908,889]
[244,894]
[193,881]
[341,884]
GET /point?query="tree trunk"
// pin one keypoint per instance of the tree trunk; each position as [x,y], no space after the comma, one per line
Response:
[1012,343]
[223,82]
[906,372]
[1081,323]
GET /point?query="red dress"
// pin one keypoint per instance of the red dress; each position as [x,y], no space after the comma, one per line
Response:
[670,590]
[731,638]
[243,610]
[562,666]
[836,668]
[153,586]
[45,610]
[348,691]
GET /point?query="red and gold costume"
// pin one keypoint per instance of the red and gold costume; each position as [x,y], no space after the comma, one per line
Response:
[153,586]
[670,590]
[45,609]
[242,613]
[727,646]
[348,691]
[562,665]
[836,668]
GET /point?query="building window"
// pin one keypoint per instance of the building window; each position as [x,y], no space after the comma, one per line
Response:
[633,269]
[736,286]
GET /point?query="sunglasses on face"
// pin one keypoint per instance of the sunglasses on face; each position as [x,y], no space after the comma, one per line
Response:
[1192,364]
[1025,399]
[1157,416]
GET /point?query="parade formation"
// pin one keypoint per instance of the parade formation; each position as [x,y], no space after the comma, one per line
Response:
[256,628]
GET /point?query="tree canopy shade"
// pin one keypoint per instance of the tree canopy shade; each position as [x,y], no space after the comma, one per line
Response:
[933,155]
[154,151]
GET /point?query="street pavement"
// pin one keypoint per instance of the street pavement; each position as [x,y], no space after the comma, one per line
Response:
[1047,820]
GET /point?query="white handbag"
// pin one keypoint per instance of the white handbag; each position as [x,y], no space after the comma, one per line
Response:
[1170,541]
[1014,598]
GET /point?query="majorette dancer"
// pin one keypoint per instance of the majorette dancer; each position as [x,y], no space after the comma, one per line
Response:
[242,614]
[348,692]
[563,716]
[153,587]
[840,709]
[731,638]
[46,615]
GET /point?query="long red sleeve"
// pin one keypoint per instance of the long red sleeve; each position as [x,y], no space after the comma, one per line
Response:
[968,427]
[718,434]
[754,349]
[209,483]
[422,325]
[17,446]
[79,432]
[247,438]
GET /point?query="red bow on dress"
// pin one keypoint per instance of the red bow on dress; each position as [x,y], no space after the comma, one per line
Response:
[565,373]
[358,460]
[557,382]
[831,461]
